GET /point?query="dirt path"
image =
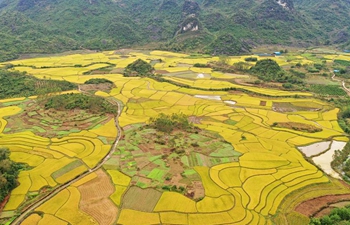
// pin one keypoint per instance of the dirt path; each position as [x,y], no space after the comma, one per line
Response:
[343,84]
[41,201]
[342,81]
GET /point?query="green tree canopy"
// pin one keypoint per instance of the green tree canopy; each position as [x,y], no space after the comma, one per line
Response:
[139,68]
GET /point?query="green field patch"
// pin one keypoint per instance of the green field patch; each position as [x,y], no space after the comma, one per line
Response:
[7,129]
[230,122]
[32,113]
[333,90]
[39,129]
[141,199]
[7,214]
[51,123]
[71,166]
[157,174]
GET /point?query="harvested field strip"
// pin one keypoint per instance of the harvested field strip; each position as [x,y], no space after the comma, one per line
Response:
[95,199]
[67,168]
[144,200]
[70,210]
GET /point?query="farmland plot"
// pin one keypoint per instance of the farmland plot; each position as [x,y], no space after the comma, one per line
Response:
[250,177]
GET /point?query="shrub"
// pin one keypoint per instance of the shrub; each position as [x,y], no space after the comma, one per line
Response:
[251,59]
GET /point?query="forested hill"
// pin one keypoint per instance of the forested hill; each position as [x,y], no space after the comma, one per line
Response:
[212,26]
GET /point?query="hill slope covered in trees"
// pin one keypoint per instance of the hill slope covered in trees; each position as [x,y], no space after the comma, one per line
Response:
[210,26]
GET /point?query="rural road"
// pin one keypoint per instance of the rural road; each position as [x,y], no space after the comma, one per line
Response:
[41,201]
[343,83]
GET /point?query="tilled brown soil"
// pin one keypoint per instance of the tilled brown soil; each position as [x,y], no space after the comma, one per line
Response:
[318,206]
[95,199]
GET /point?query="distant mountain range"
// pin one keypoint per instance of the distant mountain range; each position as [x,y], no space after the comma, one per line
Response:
[210,26]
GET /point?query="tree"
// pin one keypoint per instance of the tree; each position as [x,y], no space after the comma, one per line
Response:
[139,68]
[8,173]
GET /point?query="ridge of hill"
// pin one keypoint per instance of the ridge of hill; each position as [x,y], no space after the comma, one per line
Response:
[208,26]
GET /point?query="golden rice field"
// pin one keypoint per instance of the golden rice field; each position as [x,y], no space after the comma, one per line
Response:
[253,190]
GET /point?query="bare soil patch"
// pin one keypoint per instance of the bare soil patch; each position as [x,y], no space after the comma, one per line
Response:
[299,127]
[95,199]
[106,87]
[319,206]
[3,203]
[262,103]
[195,119]
[161,72]
[289,107]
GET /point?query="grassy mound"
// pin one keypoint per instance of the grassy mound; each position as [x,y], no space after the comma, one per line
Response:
[71,101]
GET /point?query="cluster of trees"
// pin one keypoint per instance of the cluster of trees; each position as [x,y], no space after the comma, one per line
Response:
[19,84]
[340,161]
[9,171]
[201,65]
[168,123]
[139,68]
[93,104]
[98,81]
[344,68]
[338,216]
[268,70]
[344,119]
[251,59]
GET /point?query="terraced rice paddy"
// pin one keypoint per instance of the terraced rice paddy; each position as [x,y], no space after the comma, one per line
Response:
[257,185]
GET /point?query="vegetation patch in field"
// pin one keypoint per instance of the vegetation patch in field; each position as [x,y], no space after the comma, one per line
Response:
[298,127]
[269,70]
[294,107]
[51,122]
[95,199]
[93,104]
[332,90]
[97,84]
[139,68]
[162,153]
[66,169]
[141,199]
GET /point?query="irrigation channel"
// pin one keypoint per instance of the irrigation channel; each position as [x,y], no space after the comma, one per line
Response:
[42,200]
